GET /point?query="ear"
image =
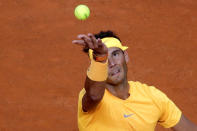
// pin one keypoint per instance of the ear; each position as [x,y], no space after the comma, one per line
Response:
[126,56]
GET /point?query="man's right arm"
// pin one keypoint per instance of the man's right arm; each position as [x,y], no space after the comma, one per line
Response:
[97,72]
[94,94]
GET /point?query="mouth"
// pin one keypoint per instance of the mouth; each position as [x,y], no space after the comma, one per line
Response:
[115,72]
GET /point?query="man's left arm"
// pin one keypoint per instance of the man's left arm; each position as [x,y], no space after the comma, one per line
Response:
[184,125]
[171,115]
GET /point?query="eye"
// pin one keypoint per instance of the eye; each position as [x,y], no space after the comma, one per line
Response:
[115,53]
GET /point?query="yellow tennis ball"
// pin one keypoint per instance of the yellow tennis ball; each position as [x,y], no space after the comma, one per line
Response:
[82,12]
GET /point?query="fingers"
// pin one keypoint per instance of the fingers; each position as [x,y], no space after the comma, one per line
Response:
[94,40]
[102,45]
[99,42]
[79,42]
[88,41]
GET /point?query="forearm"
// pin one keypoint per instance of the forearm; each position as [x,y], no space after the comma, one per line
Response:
[94,94]
[94,85]
[94,89]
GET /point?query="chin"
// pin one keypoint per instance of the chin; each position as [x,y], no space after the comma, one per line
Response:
[114,81]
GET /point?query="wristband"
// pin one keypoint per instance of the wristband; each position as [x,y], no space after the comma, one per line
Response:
[98,71]
[100,58]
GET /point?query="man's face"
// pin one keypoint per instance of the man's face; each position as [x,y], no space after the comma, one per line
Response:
[117,67]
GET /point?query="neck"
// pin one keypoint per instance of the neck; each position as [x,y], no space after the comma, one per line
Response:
[120,90]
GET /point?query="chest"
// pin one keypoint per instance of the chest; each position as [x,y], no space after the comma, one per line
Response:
[131,115]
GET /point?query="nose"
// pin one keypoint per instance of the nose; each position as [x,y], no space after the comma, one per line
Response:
[111,63]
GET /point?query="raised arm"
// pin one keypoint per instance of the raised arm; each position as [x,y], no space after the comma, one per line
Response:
[184,125]
[94,88]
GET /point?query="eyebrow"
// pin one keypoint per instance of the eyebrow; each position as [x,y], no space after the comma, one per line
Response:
[118,50]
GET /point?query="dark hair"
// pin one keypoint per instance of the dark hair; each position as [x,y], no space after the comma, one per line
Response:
[103,34]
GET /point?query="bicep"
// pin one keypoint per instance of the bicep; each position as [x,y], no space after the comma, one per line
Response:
[184,125]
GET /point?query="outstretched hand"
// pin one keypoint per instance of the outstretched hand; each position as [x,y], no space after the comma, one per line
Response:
[89,41]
